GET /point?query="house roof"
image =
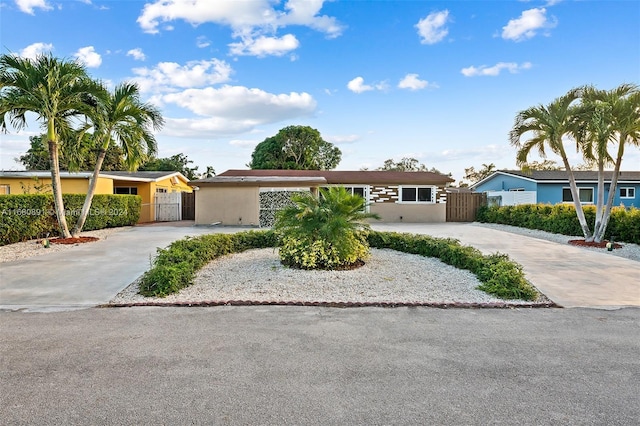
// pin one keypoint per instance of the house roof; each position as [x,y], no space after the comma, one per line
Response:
[259,180]
[370,177]
[560,176]
[130,176]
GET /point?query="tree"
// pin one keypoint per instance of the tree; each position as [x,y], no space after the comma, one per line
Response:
[59,92]
[123,119]
[37,156]
[473,176]
[548,125]
[175,163]
[540,165]
[297,148]
[607,117]
[210,172]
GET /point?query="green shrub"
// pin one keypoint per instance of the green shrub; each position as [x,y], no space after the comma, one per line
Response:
[323,232]
[28,216]
[624,223]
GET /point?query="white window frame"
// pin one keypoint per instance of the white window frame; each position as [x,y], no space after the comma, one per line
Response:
[628,190]
[6,188]
[593,194]
[516,190]
[401,189]
[161,190]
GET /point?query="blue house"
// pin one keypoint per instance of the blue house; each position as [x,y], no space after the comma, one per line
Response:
[552,187]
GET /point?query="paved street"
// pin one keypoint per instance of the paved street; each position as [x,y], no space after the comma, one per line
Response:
[306,365]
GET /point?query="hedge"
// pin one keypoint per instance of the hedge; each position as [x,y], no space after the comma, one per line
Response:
[624,223]
[175,266]
[29,216]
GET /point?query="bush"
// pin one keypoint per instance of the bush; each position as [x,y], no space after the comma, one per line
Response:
[323,232]
[29,216]
[624,223]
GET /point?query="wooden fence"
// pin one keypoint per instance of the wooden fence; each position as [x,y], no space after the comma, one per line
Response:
[188,206]
[463,206]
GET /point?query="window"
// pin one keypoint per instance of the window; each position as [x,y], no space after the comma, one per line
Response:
[417,194]
[629,192]
[585,194]
[356,190]
[161,190]
[125,190]
[516,190]
[5,190]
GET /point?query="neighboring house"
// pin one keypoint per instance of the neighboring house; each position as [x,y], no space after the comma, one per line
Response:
[512,187]
[251,197]
[150,186]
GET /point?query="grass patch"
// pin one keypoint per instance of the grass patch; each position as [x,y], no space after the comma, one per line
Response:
[175,267]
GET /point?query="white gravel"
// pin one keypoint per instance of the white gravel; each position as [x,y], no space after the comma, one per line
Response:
[31,248]
[387,277]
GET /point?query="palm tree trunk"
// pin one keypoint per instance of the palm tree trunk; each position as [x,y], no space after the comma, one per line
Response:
[90,193]
[599,236]
[56,186]
[600,201]
[576,200]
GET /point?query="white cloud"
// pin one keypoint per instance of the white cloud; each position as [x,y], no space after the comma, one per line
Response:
[167,76]
[527,25]
[432,29]
[255,23]
[35,49]
[88,56]
[137,54]
[342,139]
[232,110]
[202,42]
[263,46]
[357,85]
[28,6]
[244,143]
[413,82]
[495,70]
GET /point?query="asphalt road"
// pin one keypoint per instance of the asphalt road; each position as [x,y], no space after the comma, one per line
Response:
[304,365]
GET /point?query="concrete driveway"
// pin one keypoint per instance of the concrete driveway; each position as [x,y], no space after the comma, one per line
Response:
[92,274]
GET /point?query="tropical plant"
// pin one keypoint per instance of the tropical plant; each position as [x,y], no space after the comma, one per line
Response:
[296,148]
[58,92]
[607,117]
[324,232]
[123,119]
[548,126]
[176,163]
[407,164]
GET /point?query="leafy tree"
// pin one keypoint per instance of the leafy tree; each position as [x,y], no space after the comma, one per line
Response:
[121,118]
[473,176]
[210,172]
[324,232]
[541,165]
[297,148]
[406,164]
[37,156]
[175,163]
[59,93]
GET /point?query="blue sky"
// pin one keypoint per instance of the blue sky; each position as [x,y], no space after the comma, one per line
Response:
[438,81]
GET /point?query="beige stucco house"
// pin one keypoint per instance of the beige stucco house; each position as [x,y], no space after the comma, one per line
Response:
[251,197]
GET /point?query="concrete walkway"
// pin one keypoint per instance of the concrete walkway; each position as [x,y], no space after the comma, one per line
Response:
[92,274]
[568,275]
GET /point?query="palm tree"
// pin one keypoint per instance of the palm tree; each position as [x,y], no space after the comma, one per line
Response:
[325,231]
[121,118]
[611,117]
[548,126]
[58,92]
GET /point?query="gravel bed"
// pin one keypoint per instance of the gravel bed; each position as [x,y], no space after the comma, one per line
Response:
[387,277]
[31,248]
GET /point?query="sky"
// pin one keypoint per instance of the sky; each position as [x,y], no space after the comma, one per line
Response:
[437,81]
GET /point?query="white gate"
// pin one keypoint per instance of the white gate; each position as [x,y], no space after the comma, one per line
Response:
[168,206]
